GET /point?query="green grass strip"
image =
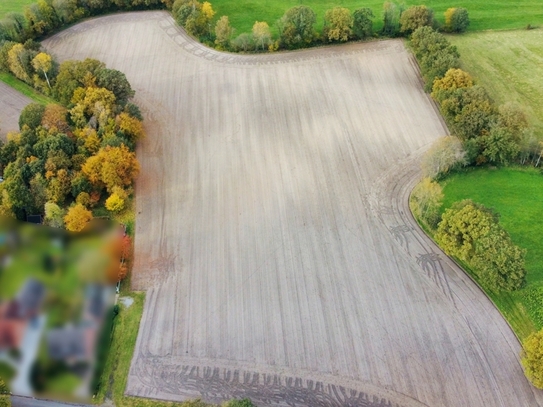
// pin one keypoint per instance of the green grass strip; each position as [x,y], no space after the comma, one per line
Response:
[25,89]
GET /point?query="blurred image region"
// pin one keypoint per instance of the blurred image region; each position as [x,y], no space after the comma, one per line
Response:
[57,295]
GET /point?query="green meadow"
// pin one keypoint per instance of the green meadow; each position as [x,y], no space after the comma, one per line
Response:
[517,195]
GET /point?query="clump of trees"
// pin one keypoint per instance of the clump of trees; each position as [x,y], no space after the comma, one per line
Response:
[472,233]
[72,158]
[456,20]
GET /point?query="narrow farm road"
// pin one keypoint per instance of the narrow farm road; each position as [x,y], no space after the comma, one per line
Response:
[12,103]
[273,235]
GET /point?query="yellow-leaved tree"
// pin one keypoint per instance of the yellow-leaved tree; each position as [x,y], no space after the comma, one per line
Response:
[43,62]
[532,358]
[77,218]
[112,167]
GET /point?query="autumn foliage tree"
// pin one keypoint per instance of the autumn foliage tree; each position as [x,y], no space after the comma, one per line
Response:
[112,167]
[77,218]
[532,358]
[472,233]
[223,32]
[261,34]
[338,24]
[415,17]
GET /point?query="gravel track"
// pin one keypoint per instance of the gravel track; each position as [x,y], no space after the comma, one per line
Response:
[273,235]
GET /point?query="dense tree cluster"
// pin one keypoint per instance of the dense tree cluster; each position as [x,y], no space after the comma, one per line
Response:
[472,233]
[70,157]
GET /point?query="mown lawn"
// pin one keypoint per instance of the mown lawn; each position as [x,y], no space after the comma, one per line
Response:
[517,195]
[484,15]
[509,64]
[13,5]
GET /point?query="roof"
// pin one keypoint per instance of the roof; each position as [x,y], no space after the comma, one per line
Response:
[29,298]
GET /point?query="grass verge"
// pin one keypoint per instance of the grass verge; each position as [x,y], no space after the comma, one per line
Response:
[509,65]
[26,90]
[517,195]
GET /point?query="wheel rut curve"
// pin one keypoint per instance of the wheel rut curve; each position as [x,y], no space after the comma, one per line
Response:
[273,235]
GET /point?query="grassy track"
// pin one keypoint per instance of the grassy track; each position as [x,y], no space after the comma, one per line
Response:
[484,15]
[509,65]
[517,194]
[13,5]
[26,90]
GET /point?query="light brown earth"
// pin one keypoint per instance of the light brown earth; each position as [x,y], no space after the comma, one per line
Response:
[11,104]
[273,237]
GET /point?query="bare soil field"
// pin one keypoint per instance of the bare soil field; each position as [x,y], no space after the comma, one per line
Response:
[273,239]
[11,105]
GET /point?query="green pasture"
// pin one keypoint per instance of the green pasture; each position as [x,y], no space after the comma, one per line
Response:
[484,15]
[517,195]
[509,64]
[13,5]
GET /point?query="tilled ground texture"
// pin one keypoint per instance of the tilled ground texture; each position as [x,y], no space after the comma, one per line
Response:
[11,104]
[273,237]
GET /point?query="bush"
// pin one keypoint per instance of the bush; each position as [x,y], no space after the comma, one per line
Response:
[416,17]
[472,233]
[456,20]
[362,23]
[296,27]
[391,18]
[426,200]
[338,24]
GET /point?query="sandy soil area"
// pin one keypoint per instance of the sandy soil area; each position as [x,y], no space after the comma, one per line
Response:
[273,239]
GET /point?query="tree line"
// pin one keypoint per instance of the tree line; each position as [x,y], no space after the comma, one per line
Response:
[296,27]
[482,134]
[75,156]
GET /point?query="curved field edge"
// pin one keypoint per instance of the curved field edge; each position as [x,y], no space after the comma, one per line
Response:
[515,193]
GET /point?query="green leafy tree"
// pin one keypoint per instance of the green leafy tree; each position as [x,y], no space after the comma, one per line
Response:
[73,75]
[472,233]
[296,26]
[415,17]
[31,116]
[41,18]
[363,23]
[68,11]
[500,146]
[532,358]
[499,264]
[116,82]
[243,42]
[13,27]
[338,24]
[16,63]
[54,215]
[461,226]
[469,112]
[456,20]
[391,18]
[223,32]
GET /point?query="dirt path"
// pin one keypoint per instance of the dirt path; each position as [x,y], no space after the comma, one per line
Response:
[273,237]
[11,105]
